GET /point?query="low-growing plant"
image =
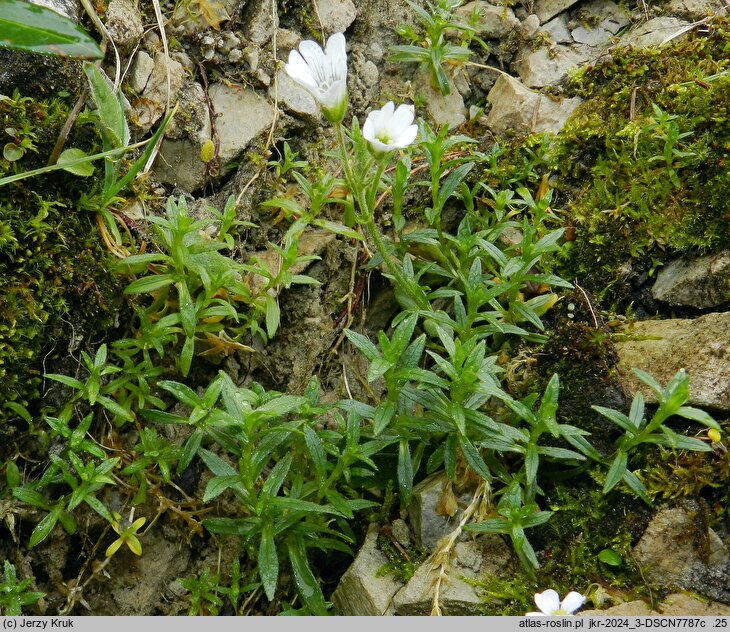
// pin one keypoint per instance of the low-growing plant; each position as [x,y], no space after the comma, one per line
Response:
[14,594]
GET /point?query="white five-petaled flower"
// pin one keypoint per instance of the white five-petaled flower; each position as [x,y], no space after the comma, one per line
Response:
[390,128]
[550,604]
[323,73]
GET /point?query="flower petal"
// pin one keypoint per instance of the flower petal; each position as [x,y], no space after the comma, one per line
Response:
[299,71]
[536,614]
[572,602]
[402,118]
[312,54]
[548,601]
[336,51]
[407,136]
[334,94]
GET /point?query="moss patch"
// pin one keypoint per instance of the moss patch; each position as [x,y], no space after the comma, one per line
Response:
[55,278]
[644,161]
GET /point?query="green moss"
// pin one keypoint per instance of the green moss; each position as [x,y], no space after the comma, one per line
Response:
[643,162]
[671,476]
[54,273]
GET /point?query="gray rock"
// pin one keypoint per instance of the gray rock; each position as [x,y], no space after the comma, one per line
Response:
[179,162]
[655,32]
[124,23]
[678,550]
[529,26]
[446,110]
[703,283]
[336,15]
[429,526]
[259,23]
[674,605]
[557,29]
[494,22]
[360,591]
[148,110]
[401,532]
[487,555]
[693,9]
[140,72]
[68,8]
[515,107]
[662,347]
[545,67]
[595,37]
[293,98]
[548,9]
[242,114]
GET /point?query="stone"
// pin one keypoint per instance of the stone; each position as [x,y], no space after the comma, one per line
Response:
[336,15]
[493,22]
[151,106]
[595,37]
[693,9]
[529,26]
[679,550]
[260,23]
[473,559]
[548,9]
[429,526]
[673,605]
[545,67]
[446,110]
[516,108]
[241,115]
[361,592]
[140,72]
[557,29]
[293,98]
[67,8]
[124,23]
[179,162]
[655,32]
[703,283]
[661,347]
[401,532]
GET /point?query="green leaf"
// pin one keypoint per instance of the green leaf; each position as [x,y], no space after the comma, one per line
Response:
[610,557]
[316,452]
[405,472]
[67,380]
[187,309]
[306,583]
[268,562]
[44,528]
[273,315]
[276,477]
[84,169]
[218,484]
[695,414]
[36,29]
[148,284]
[616,471]
[183,393]
[378,367]
[474,459]
[649,381]
[383,414]
[453,180]
[113,123]
[186,355]
[618,418]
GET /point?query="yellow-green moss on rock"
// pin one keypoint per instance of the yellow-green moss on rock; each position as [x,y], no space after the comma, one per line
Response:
[643,163]
[55,275]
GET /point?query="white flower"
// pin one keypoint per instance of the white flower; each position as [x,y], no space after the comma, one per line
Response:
[550,604]
[389,128]
[323,73]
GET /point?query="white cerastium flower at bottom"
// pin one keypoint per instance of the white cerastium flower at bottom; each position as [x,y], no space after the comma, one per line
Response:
[550,604]
[323,73]
[390,128]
